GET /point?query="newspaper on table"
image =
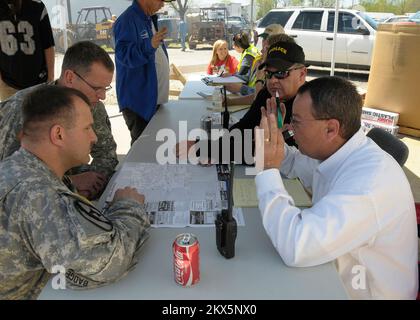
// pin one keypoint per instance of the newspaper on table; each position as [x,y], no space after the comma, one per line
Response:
[177,195]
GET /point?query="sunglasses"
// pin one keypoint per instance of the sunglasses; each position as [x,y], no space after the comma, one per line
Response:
[279,74]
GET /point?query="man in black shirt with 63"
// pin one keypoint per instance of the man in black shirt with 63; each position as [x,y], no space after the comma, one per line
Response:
[26,46]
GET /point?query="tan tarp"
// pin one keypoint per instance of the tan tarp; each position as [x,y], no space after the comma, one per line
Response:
[394,80]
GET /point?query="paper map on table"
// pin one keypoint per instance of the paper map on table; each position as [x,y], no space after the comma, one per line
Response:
[175,195]
[178,219]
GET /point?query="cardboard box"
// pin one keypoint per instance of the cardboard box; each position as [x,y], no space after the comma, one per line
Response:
[367,125]
[394,79]
[381,116]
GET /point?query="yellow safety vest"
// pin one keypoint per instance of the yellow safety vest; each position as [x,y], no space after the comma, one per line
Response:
[253,52]
[253,76]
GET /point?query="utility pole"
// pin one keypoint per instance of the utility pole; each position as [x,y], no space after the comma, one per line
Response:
[69,11]
[252,13]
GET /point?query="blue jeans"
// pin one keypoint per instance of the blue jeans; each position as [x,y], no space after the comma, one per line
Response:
[183,41]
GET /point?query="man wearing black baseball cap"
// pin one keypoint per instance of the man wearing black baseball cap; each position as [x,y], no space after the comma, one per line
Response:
[283,55]
[285,70]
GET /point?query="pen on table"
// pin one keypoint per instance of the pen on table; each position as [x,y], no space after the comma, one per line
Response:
[279,117]
[221,74]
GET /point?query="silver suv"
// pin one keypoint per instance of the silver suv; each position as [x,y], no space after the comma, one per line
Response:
[312,28]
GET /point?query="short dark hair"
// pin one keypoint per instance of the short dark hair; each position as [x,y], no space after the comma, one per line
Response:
[49,103]
[241,40]
[80,57]
[335,98]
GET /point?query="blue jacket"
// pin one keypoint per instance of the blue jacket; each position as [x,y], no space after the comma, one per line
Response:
[135,62]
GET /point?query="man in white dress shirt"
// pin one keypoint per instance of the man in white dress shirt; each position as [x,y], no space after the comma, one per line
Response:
[363,216]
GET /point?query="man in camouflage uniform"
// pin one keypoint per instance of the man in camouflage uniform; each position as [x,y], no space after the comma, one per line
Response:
[43,224]
[89,69]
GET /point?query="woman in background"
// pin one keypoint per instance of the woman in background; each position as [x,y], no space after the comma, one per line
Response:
[249,57]
[222,60]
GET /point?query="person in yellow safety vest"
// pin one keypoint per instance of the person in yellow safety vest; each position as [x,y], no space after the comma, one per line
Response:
[258,76]
[249,56]
[113,18]
[250,89]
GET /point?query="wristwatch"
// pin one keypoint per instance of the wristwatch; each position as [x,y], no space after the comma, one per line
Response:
[260,80]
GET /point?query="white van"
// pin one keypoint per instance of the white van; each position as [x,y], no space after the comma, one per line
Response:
[312,28]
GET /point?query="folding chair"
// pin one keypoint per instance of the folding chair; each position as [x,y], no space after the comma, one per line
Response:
[389,143]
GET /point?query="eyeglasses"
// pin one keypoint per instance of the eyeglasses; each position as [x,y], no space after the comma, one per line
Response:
[96,89]
[279,74]
[296,123]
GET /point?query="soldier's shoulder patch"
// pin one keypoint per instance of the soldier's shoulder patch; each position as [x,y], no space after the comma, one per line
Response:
[89,212]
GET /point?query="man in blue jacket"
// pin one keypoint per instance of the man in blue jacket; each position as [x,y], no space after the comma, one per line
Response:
[135,47]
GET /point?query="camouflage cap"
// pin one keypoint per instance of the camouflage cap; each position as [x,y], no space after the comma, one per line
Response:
[271,29]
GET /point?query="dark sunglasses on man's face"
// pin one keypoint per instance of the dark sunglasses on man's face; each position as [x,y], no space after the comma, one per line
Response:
[279,74]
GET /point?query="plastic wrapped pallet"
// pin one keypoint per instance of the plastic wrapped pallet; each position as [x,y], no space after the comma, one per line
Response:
[394,80]
[381,116]
[367,125]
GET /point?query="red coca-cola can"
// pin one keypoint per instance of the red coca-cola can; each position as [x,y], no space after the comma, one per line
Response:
[186,259]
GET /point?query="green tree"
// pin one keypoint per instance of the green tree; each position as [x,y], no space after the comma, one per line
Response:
[181,7]
[394,6]
[325,3]
[297,2]
[264,6]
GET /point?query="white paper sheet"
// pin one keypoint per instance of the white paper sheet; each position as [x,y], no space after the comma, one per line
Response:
[221,80]
[175,195]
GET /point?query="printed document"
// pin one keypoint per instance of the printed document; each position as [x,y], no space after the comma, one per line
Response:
[176,195]
[212,81]
[245,193]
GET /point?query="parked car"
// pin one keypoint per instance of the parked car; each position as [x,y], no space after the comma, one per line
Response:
[396,19]
[380,16]
[237,24]
[415,17]
[312,28]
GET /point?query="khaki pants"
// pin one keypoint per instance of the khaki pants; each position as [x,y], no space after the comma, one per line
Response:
[6,91]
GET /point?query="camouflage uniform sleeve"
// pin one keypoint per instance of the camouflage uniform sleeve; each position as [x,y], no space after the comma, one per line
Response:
[104,152]
[10,126]
[93,251]
[11,121]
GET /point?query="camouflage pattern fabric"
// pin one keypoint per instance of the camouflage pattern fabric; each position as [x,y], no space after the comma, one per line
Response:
[43,225]
[104,155]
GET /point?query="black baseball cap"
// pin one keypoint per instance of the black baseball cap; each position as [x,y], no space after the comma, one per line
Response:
[283,55]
